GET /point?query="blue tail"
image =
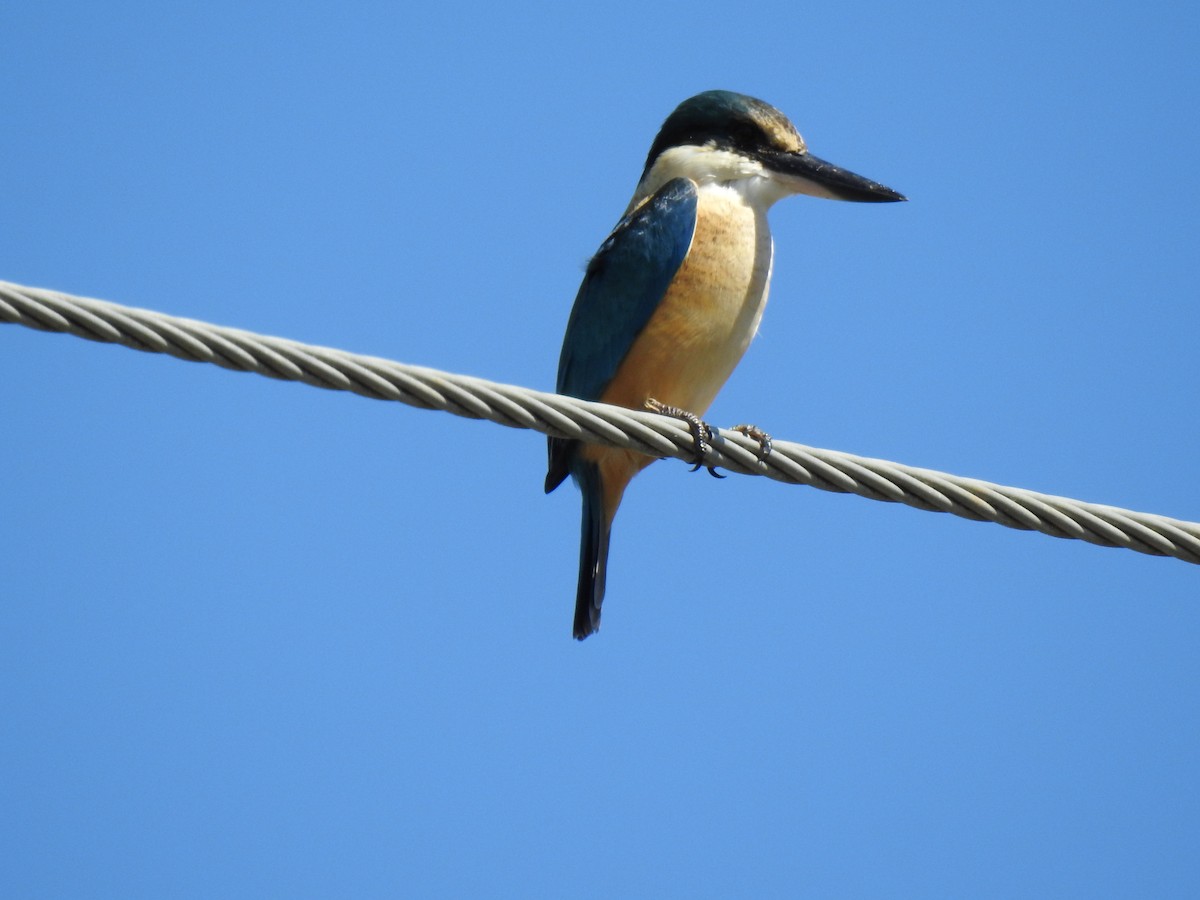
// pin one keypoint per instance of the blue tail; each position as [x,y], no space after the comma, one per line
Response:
[593,551]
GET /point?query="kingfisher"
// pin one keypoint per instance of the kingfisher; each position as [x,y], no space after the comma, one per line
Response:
[674,295]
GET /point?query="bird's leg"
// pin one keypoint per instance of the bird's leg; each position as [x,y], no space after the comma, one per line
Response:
[701,430]
[764,439]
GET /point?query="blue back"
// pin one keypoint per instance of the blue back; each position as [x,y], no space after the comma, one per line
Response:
[624,284]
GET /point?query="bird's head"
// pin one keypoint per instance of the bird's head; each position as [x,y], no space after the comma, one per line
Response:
[723,137]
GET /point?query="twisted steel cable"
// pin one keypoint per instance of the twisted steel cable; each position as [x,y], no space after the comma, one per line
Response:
[645,432]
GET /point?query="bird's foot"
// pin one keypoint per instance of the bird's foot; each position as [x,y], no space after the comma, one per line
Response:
[764,439]
[701,431]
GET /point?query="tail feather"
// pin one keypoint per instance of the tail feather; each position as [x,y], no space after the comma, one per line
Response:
[593,552]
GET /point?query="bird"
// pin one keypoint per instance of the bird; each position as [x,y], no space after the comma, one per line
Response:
[671,300]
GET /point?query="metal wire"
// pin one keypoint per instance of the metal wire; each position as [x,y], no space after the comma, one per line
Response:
[645,432]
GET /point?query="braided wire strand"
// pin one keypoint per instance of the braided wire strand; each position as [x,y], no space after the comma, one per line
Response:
[554,414]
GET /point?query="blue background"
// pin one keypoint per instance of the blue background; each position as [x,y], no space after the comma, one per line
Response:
[263,640]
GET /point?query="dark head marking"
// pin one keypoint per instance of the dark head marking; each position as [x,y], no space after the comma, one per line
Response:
[726,121]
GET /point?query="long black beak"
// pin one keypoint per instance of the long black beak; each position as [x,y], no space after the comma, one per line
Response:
[807,174]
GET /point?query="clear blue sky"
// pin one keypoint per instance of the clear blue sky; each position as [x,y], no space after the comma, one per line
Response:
[262,640]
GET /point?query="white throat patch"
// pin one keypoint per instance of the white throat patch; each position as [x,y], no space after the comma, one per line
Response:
[708,166]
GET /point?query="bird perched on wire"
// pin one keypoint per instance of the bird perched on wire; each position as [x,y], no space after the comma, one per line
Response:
[672,298]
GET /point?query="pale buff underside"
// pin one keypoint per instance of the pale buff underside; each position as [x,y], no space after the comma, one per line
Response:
[701,328]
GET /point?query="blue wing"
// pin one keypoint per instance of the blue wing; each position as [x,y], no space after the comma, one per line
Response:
[625,282]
